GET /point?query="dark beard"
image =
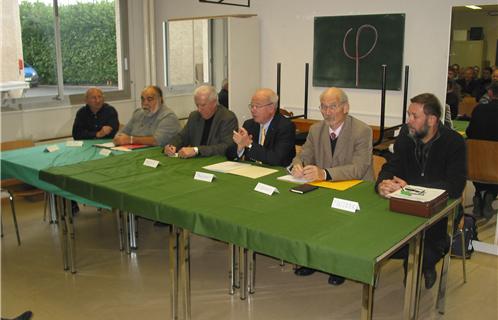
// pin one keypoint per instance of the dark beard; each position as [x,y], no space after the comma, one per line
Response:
[421,134]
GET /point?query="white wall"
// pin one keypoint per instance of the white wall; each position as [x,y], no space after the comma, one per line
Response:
[287,37]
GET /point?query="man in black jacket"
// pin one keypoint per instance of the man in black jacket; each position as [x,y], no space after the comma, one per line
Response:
[95,120]
[428,154]
[483,126]
[268,137]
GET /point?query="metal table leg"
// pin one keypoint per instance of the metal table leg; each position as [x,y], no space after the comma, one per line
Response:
[242,273]
[117,212]
[418,278]
[232,268]
[126,232]
[173,271]
[71,235]
[367,302]
[53,208]
[132,231]
[411,276]
[184,258]
[251,257]
[441,294]
[58,203]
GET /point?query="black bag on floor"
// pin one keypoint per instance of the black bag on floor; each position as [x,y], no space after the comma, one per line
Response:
[470,233]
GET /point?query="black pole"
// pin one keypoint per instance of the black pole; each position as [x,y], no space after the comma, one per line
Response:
[306,77]
[405,93]
[279,67]
[382,105]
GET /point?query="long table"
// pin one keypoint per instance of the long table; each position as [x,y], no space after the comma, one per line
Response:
[301,229]
[25,164]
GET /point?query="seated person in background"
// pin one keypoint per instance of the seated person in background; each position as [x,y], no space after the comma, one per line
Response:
[470,87]
[452,98]
[153,124]
[455,86]
[268,137]
[208,131]
[484,126]
[96,119]
[337,148]
[485,98]
[428,154]
[223,94]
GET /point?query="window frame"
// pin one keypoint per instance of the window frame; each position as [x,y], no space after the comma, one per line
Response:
[185,88]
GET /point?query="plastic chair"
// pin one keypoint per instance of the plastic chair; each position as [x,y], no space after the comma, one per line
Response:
[16,188]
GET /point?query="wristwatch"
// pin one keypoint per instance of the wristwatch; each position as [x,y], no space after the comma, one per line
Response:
[196,150]
[249,146]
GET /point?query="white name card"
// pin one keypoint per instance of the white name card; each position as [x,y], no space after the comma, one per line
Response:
[105,152]
[51,148]
[78,144]
[266,189]
[347,205]
[151,163]
[202,176]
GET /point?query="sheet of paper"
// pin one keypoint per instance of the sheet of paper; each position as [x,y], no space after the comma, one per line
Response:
[105,145]
[226,166]
[253,172]
[426,194]
[290,178]
[336,185]
[74,143]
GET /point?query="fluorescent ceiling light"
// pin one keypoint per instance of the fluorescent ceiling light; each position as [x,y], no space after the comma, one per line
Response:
[474,7]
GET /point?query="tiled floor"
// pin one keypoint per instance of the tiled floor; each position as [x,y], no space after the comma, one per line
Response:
[110,284]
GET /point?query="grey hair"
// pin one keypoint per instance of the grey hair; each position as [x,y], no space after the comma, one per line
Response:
[207,89]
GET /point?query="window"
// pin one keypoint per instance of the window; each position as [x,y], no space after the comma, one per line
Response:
[69,46]
[187,53]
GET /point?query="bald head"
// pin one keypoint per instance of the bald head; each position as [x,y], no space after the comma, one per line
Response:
[263,105]
[94,98]
[334,107]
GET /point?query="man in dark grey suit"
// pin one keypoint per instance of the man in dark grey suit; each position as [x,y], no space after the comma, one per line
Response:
[267,137]
[209,129]
[337,148]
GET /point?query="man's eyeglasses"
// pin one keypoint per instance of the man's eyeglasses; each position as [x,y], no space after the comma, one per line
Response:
[250,105]
[331,107]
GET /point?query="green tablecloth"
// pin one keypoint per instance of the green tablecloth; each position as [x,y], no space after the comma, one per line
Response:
[25,164]
[302,229]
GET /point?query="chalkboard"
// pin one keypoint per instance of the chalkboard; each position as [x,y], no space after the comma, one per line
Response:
[349,51]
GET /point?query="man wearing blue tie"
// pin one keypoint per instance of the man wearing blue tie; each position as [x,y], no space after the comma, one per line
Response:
[268,137]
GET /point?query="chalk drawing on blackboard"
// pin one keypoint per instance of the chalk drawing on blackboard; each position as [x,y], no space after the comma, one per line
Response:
[357,56]
[349,51]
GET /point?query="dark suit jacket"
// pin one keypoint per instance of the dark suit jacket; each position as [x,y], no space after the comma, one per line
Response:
[352,158]
[483,124]
[220,134]
[279,147]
